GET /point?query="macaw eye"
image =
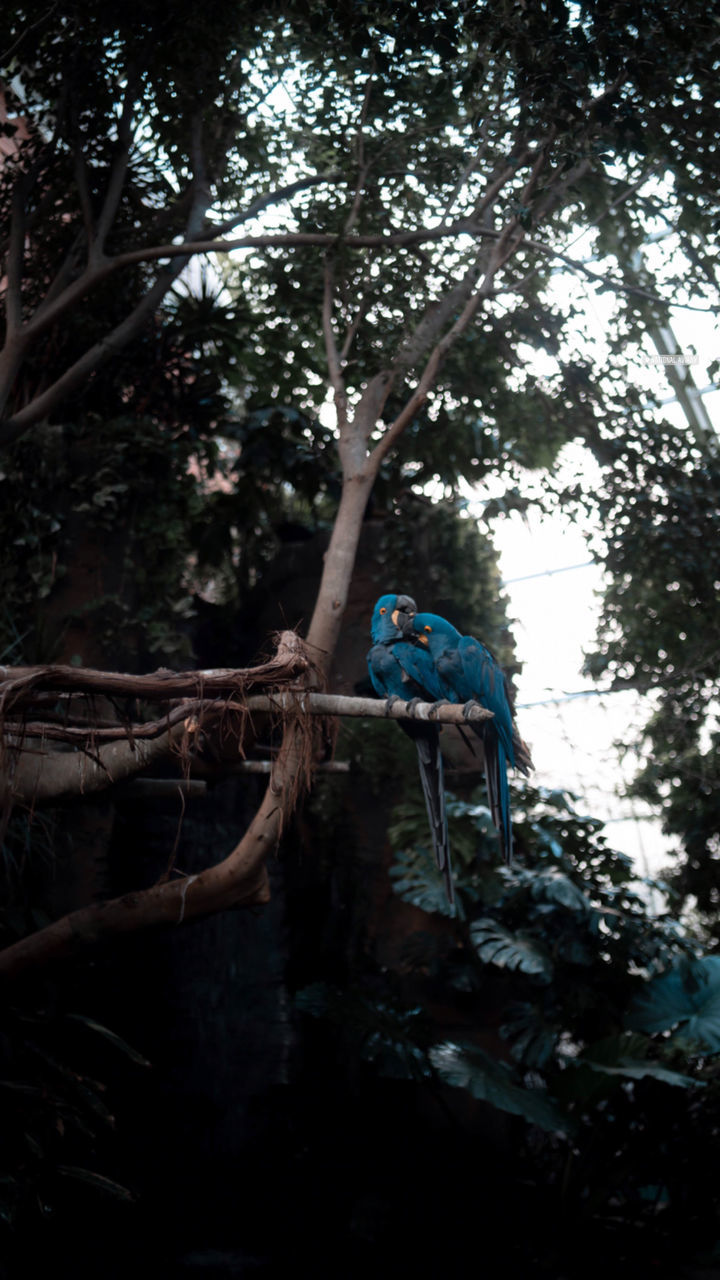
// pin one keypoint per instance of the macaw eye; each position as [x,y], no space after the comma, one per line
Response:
[383,610]
[427,628]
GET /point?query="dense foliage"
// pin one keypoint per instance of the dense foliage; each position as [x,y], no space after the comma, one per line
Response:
[565,999]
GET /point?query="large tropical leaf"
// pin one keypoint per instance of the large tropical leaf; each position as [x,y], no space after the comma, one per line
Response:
[633,1057]
[98,1180]
[416,880]
[112,1037]
[533,1039]
[467,1067]
[554,886]
[637,1069]
[685,999]
[497,945]
[389,1036]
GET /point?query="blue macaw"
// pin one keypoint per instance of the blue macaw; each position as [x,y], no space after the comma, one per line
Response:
[465,671]
[396,668]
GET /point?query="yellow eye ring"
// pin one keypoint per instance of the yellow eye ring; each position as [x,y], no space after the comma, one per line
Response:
[383,610]
[427,628]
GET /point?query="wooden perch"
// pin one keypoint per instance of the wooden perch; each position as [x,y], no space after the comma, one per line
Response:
[331,704]
[37,773]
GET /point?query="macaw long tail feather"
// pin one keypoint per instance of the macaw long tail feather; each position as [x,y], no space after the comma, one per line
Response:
[521,752]
[433,785]
[499,794]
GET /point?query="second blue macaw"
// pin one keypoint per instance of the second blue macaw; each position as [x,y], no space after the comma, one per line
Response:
[397,668]
[466,671]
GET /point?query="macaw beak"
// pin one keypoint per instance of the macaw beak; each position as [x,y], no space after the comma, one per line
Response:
[407,604]
[403,615]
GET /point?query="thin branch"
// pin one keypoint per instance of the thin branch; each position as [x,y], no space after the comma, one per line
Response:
[14,266]
[83,186]
[537,167]
[351,332]
[276,197]
[6,54]
[363,166]
[426,380]
[333,359]
[436,315]
[297,239]
[92,359]
[20,686]
[67,271]
[468,171]
[97,355]
[118,169]
[614,204]
[437,355]
[490,194]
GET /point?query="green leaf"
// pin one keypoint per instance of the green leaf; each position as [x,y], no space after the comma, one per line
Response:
[532,1039]
[686,996]
[107,1185]
[632,1056]
[553,886]
[113,1039]
[417,880]
[634,1069]
[497,945]
[467,1067]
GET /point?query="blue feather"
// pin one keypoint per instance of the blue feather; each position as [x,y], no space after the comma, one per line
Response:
[467,671]
[399,669]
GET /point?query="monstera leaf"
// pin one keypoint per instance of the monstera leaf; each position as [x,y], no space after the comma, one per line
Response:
[497,945]
[416,880]
[554,886]
[686,999]
[464,1066]
[630,1055]
[389,1036]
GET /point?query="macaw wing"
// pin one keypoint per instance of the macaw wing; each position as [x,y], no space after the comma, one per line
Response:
[418,666]
[486,681]
[383,670]
[450,672]
[388,677]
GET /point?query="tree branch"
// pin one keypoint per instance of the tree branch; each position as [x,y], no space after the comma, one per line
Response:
[91,360]
[38,775]
[333,359]
[238,880]
[83,186]
[14,265]
[19,686]
[276,197]
[118,169]
[297,239]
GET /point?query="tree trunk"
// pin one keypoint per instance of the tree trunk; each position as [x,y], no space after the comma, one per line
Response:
[332,596]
